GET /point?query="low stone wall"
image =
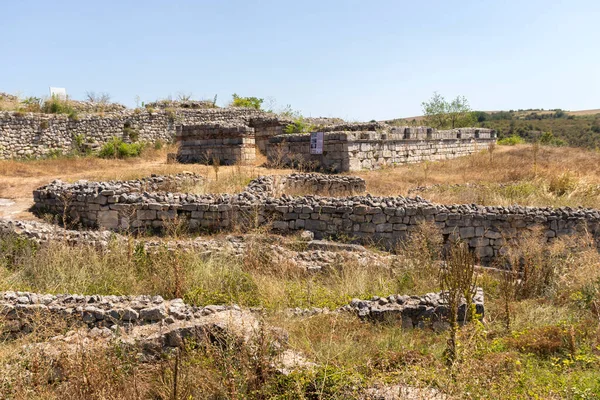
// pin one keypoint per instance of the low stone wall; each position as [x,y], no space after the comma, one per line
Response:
[352,150]
[226,144]
[367,219]
[97,311]
[318,184]
[430,310]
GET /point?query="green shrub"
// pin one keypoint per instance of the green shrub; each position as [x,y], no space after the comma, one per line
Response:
[55,105]
[248,102]
[298,126]
[132,133]
[511,140]
[116,148]
[549,139]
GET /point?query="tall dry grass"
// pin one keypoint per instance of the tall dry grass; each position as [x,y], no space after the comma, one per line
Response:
[553,176]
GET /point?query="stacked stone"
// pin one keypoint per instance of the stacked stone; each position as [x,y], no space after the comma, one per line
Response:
[189,104]
[267,126]
[225,144]
[368,219]
[34,135]
[97,311]
[321,184]
[94,107]
[430,310]
[376,147]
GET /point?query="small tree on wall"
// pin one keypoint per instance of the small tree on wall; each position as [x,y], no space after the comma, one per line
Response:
[440,113]
[248,102]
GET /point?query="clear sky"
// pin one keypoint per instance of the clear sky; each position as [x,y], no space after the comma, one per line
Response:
[358,60]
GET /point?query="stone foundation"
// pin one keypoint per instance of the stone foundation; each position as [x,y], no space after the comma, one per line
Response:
[352,150]
[225,144]
[366,219]
[430,310]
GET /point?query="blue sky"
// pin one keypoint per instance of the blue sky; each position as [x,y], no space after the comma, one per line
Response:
[358,60]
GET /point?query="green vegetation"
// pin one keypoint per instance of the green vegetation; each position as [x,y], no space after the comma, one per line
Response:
[116,148]
[511,140]
[299,126]
[549,350]
[248,102]
[553,127]
[55,105]
[442,114]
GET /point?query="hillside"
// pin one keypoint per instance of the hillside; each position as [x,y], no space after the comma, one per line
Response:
[575,128]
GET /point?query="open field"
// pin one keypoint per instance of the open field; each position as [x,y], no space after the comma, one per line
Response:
[539,339]
[552,177]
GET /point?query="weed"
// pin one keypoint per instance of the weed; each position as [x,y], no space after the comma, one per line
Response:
[116,148]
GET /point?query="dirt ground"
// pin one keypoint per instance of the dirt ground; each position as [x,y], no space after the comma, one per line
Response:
[577,170]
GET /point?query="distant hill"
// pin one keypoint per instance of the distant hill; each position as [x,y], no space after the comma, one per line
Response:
[575,128]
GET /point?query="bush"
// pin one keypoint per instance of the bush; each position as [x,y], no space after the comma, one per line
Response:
[548,139]
[116,148]
[55,105]
[298,126]
[511,140]
[248,102]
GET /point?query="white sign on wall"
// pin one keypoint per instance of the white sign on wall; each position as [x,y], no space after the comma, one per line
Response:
[58,92]
[316,143]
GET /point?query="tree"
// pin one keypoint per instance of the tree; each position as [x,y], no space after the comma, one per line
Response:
[248,102]
[435,111]
[440,113]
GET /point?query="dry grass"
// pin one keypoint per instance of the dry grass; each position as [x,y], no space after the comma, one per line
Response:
[550,352]
[561,176]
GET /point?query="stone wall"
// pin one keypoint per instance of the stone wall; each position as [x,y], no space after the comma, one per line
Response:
[227,144]
[352,150]
[318,184]
[430,310]
[366,219]
[33,135]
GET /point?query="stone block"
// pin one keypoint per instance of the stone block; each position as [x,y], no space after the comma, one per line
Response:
[108,219]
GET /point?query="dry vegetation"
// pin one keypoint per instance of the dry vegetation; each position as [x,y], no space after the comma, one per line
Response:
[548,176]
[540,339]
[528,175]
[551,349]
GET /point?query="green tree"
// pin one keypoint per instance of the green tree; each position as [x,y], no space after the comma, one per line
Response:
[440,113]
[248,102]
[435,111]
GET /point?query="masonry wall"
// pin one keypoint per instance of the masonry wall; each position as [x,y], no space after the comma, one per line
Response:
[384,220]
[357,150]
[36,135]
[211,143]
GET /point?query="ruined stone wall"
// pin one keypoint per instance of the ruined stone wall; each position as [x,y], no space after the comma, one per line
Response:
[266,127]
[318,184]
[37,135]
[226,144]
[383,220]
[373,149]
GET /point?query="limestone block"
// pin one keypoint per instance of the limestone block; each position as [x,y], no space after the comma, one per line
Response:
[108,219]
